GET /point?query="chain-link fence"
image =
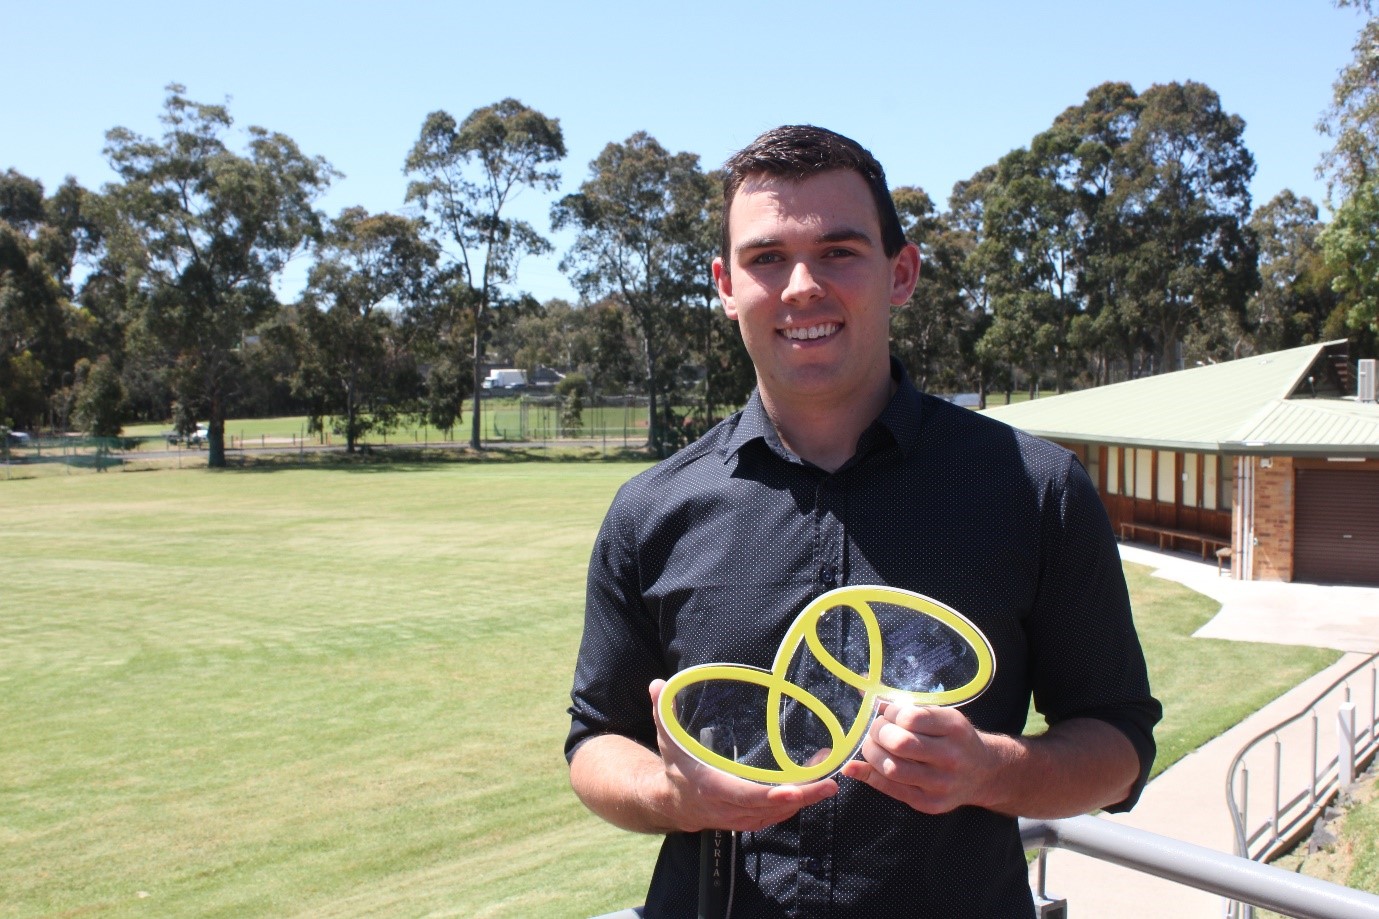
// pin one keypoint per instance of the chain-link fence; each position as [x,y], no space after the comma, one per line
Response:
[607,424]
[34,456]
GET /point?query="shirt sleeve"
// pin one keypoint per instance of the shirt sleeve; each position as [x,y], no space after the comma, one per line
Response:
[620,652]
[1085,656]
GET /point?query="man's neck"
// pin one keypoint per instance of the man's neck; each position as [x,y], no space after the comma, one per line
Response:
[826,434]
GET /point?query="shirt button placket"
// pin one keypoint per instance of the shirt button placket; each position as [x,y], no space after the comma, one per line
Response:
[815,884]
[816,823]
[829,533]
[828,575]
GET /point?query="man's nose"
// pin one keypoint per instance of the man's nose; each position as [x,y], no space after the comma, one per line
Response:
[802,286]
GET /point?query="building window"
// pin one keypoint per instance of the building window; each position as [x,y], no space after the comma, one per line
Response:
[1227,479]
[1191,498]
[1113,470]
[1167,478]
[1144,475]
[1210,484]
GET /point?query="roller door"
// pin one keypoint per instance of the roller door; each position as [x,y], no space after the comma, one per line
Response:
[1336,527]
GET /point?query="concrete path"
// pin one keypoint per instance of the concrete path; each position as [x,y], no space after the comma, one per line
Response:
[1188,801]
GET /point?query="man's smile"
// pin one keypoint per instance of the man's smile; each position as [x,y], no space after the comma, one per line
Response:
[807,333]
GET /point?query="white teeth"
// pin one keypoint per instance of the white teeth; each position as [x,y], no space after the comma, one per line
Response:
[812,332]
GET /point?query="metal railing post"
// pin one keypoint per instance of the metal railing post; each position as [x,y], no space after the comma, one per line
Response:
[1345,737]
[1296,801]
[1245,811]
[1373,701]
[1316,751]
[1278,780]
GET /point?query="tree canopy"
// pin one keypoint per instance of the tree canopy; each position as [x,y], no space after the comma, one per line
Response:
[1121,240]
[203,231]
[468,173]
[640,224]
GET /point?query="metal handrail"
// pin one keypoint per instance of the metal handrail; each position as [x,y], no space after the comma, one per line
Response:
[1185,863]
[1317,794]
[1196,866]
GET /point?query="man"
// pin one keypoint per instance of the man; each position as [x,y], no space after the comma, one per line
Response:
[839,472]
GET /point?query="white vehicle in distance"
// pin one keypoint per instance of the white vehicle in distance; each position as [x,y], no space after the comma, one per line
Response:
[197,438]
[505,378]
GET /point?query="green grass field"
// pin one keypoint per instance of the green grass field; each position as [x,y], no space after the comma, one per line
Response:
[340,691]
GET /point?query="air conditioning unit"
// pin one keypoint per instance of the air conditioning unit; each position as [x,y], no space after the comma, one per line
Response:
[1367,374]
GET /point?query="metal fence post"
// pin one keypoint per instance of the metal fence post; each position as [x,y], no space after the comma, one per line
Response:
[1278,781]
[1345,736]
[1316,726]
[1245,810]
[1373,701]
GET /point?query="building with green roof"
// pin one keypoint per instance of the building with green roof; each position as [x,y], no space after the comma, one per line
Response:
[1272,461]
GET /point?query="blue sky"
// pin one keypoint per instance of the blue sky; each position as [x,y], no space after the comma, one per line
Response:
[937,89]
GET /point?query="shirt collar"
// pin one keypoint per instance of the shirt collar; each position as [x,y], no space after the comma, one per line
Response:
[900,418]
[903,414]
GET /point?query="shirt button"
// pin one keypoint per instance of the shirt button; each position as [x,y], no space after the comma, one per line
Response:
[828,576]
[812,865]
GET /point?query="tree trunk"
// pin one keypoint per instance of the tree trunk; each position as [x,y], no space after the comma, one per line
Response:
[653,440]
[474,429]
[215,447]
[350,429]
[708,367]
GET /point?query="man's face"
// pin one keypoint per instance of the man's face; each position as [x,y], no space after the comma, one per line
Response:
[811,288]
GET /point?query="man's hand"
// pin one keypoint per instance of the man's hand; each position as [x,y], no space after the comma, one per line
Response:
[632,787]
[935,760]
[929,757]
[704,798]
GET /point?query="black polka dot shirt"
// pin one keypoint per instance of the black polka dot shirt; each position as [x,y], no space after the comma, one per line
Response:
[709,556]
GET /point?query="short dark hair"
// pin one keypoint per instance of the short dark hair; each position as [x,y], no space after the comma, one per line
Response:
[799,151]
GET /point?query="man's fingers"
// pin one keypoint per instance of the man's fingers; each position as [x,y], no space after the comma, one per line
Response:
[725,801]
[923,720]
[915,796]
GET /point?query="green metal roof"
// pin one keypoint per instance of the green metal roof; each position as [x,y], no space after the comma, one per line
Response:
[1246,406]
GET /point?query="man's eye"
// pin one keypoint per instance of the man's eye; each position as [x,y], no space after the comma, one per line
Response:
[838,253]
[766,258]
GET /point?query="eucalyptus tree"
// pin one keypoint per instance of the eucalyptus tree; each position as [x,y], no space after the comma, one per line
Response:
[926,331]
[553,334]
[99,396]
[1352,119]
[42,334]
[614,365]
[956,253]
[1352,255]
[1183,200]
[202,232]
[368,267]
[1295,300]
[467,174]
[1031,243]
[1352,168]
[1097,131]
[713,340]
[638,223]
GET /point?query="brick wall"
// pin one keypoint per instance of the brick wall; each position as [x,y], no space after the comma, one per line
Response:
[1273,520]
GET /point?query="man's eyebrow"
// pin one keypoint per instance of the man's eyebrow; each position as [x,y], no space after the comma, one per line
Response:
[845,235]
[840,235]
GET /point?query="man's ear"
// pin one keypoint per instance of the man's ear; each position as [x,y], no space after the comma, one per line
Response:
[904,274]
[724,282]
